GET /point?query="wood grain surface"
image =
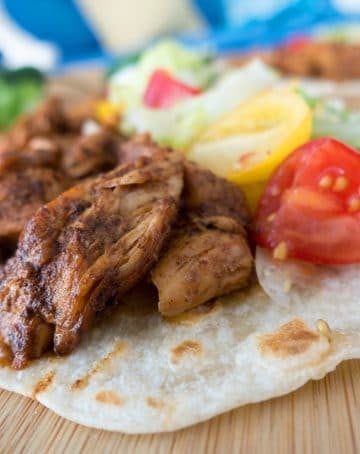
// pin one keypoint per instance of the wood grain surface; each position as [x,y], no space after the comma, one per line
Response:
[321,417]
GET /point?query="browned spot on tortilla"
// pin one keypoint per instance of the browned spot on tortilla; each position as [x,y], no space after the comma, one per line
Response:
[6,355]
[187,347]
[109,397]
[195,315]
[155,403]
[82,382]
[43,383]
[290,339]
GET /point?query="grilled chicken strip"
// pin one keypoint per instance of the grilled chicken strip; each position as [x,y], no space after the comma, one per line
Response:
[43,155]
[84,156]
[208,254]
[86,248]
[21,194]
[48,119]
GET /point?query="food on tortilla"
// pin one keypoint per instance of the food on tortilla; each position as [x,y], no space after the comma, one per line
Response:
[310,207]
[184,117]
[175,93]
[254,138]
[127,270]
[87,247]
[310,57]
[93,243]
[139,372]
[208,254]
[22,192]
[53,137]
[44,154]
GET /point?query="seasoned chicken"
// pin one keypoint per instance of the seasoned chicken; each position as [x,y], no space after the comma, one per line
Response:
[43,155]
[200,265]
[39,152]
[21,194]
[213,200]
[48,119]
[208,254]
[139,146]
[83,250]
[88,155]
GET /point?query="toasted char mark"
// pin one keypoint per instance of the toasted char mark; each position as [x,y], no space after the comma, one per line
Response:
[187,347]
[154,403]
[6,355]
[44,383]
[82,382]
[290,339]
[194,316]
[109,397]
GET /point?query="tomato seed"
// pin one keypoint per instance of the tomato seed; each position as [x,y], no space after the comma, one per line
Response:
[340,184]
[325,182]
[354,204]
[280,252]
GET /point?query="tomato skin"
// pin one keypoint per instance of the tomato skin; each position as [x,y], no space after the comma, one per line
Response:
[297,43]
[163,90]
[312,205]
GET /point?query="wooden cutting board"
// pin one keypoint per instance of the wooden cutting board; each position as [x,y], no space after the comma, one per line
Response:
[321,417]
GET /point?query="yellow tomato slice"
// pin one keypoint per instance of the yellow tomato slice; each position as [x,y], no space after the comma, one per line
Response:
[248,143]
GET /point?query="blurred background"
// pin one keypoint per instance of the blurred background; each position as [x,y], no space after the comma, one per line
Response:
[53,34]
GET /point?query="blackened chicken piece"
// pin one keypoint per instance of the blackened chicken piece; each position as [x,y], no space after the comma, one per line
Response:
[200,265]
[22,193]
[208,254]
[88,246]
[84,156]
[212,199]
[39,152]
[48,119]
[76,156]
[138,147]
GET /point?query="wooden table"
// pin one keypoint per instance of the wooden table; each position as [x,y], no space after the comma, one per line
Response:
[321,417]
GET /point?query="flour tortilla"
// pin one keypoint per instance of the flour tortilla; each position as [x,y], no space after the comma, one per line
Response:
[137,372]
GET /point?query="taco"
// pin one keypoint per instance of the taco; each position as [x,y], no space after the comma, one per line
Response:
[151,293]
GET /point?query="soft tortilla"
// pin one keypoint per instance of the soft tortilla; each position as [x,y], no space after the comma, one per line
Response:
[137,372]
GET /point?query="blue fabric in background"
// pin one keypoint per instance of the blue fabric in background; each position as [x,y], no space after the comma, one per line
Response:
[265,23]
[233,24]
[58,21]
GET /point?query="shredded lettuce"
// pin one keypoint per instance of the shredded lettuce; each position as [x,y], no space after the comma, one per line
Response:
[179,125]
[193,68]
[128,84]
[339,123]
[332,119]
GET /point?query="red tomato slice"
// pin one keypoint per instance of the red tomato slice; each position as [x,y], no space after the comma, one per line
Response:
[163,90]
[297,43]
[310,208]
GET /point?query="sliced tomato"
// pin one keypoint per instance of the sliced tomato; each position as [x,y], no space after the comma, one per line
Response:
[163,90]
[248,143]
[297,42]
[310,208]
